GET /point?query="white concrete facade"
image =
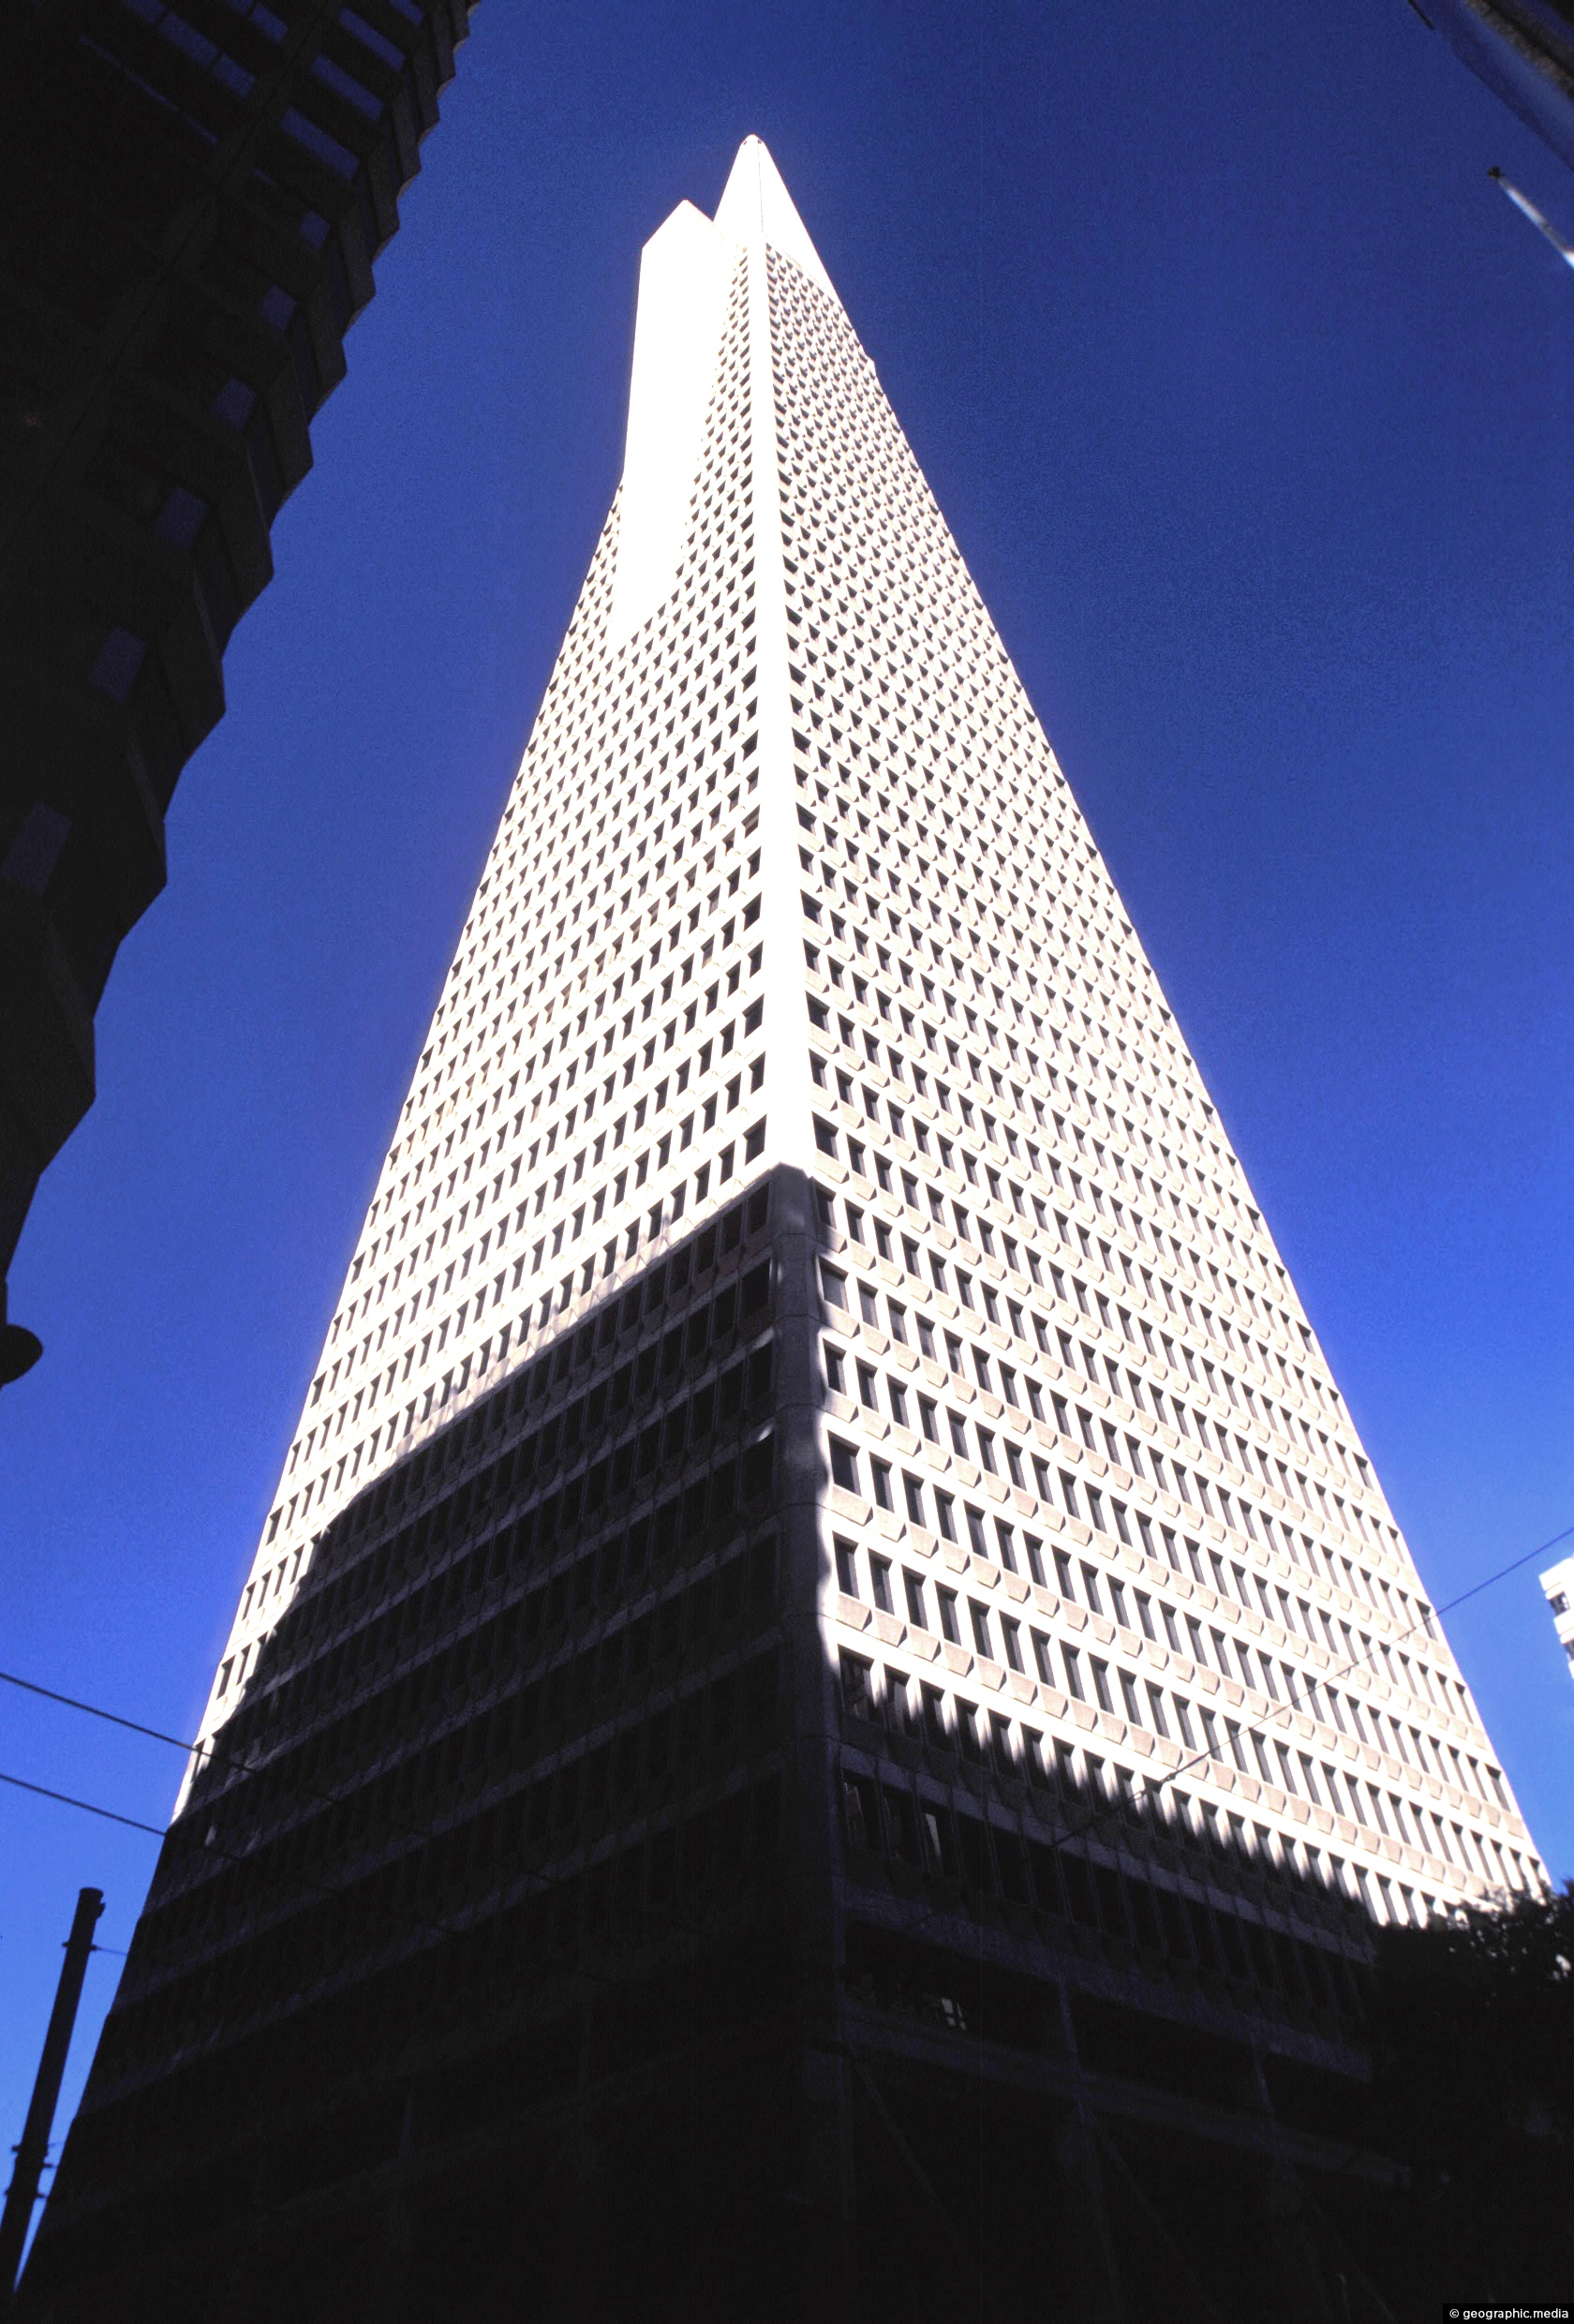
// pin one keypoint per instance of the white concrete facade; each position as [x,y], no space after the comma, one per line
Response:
[1558,1583]
[789,874]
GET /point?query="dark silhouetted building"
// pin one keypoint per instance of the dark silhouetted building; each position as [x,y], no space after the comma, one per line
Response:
[191,198]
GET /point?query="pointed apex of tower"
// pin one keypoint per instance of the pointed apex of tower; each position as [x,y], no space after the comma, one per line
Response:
[757,207]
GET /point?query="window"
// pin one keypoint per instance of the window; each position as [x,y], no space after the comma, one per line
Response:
[981,1639]
[1100,1683]
[1074,1672]
[833,1283]
[844,1466]
[948,1625]
[847,1569]
[914,1491]
[835,1371]
[879,1583]
[856,1675]
[914,1585]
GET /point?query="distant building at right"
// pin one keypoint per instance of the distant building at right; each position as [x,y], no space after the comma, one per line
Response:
[1558,1583]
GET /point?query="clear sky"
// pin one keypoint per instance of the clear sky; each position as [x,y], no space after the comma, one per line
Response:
[1251,403]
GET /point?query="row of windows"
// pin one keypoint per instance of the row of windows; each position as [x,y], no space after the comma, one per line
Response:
[1011,966]
[711,1500]
[1082,1499]
[647,1226]
[556,1187]
[618,1895]
[1151,1194]
[1072,1234]
[883,1818]
[1139,1614]
[946,1275]
[428,1107]
[544,1710]
[264,1600]
[1226,1578]
[1202,1322]
[952,1725]
[714,1246]
[414,1686]
[1125,1455]
[994,1861]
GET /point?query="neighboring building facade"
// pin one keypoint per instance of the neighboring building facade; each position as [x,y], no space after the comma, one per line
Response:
[1558,1583]
[829,1699]
[190,201]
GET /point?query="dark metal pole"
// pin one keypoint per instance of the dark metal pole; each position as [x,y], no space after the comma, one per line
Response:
[31,2153]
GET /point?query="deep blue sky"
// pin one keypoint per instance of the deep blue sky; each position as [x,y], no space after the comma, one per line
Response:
[1250,402]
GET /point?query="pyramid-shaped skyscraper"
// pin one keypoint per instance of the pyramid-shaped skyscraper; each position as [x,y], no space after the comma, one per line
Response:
[829,1701]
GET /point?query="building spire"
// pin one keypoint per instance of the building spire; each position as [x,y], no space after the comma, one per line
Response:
[755,206]
[685,271]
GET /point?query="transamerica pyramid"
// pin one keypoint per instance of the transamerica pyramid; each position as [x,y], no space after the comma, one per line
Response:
[829,1701]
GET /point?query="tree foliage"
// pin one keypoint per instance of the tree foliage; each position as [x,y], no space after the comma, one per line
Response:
[1473,2089]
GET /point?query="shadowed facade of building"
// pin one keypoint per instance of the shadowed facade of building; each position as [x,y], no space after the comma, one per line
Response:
[191,198]
[828,1700]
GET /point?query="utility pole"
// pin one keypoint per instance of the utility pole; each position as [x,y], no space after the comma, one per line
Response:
[34,2148]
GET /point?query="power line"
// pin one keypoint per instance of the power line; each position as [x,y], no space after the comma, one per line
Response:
[1512,1568]
[88,1807]
[95,1710]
